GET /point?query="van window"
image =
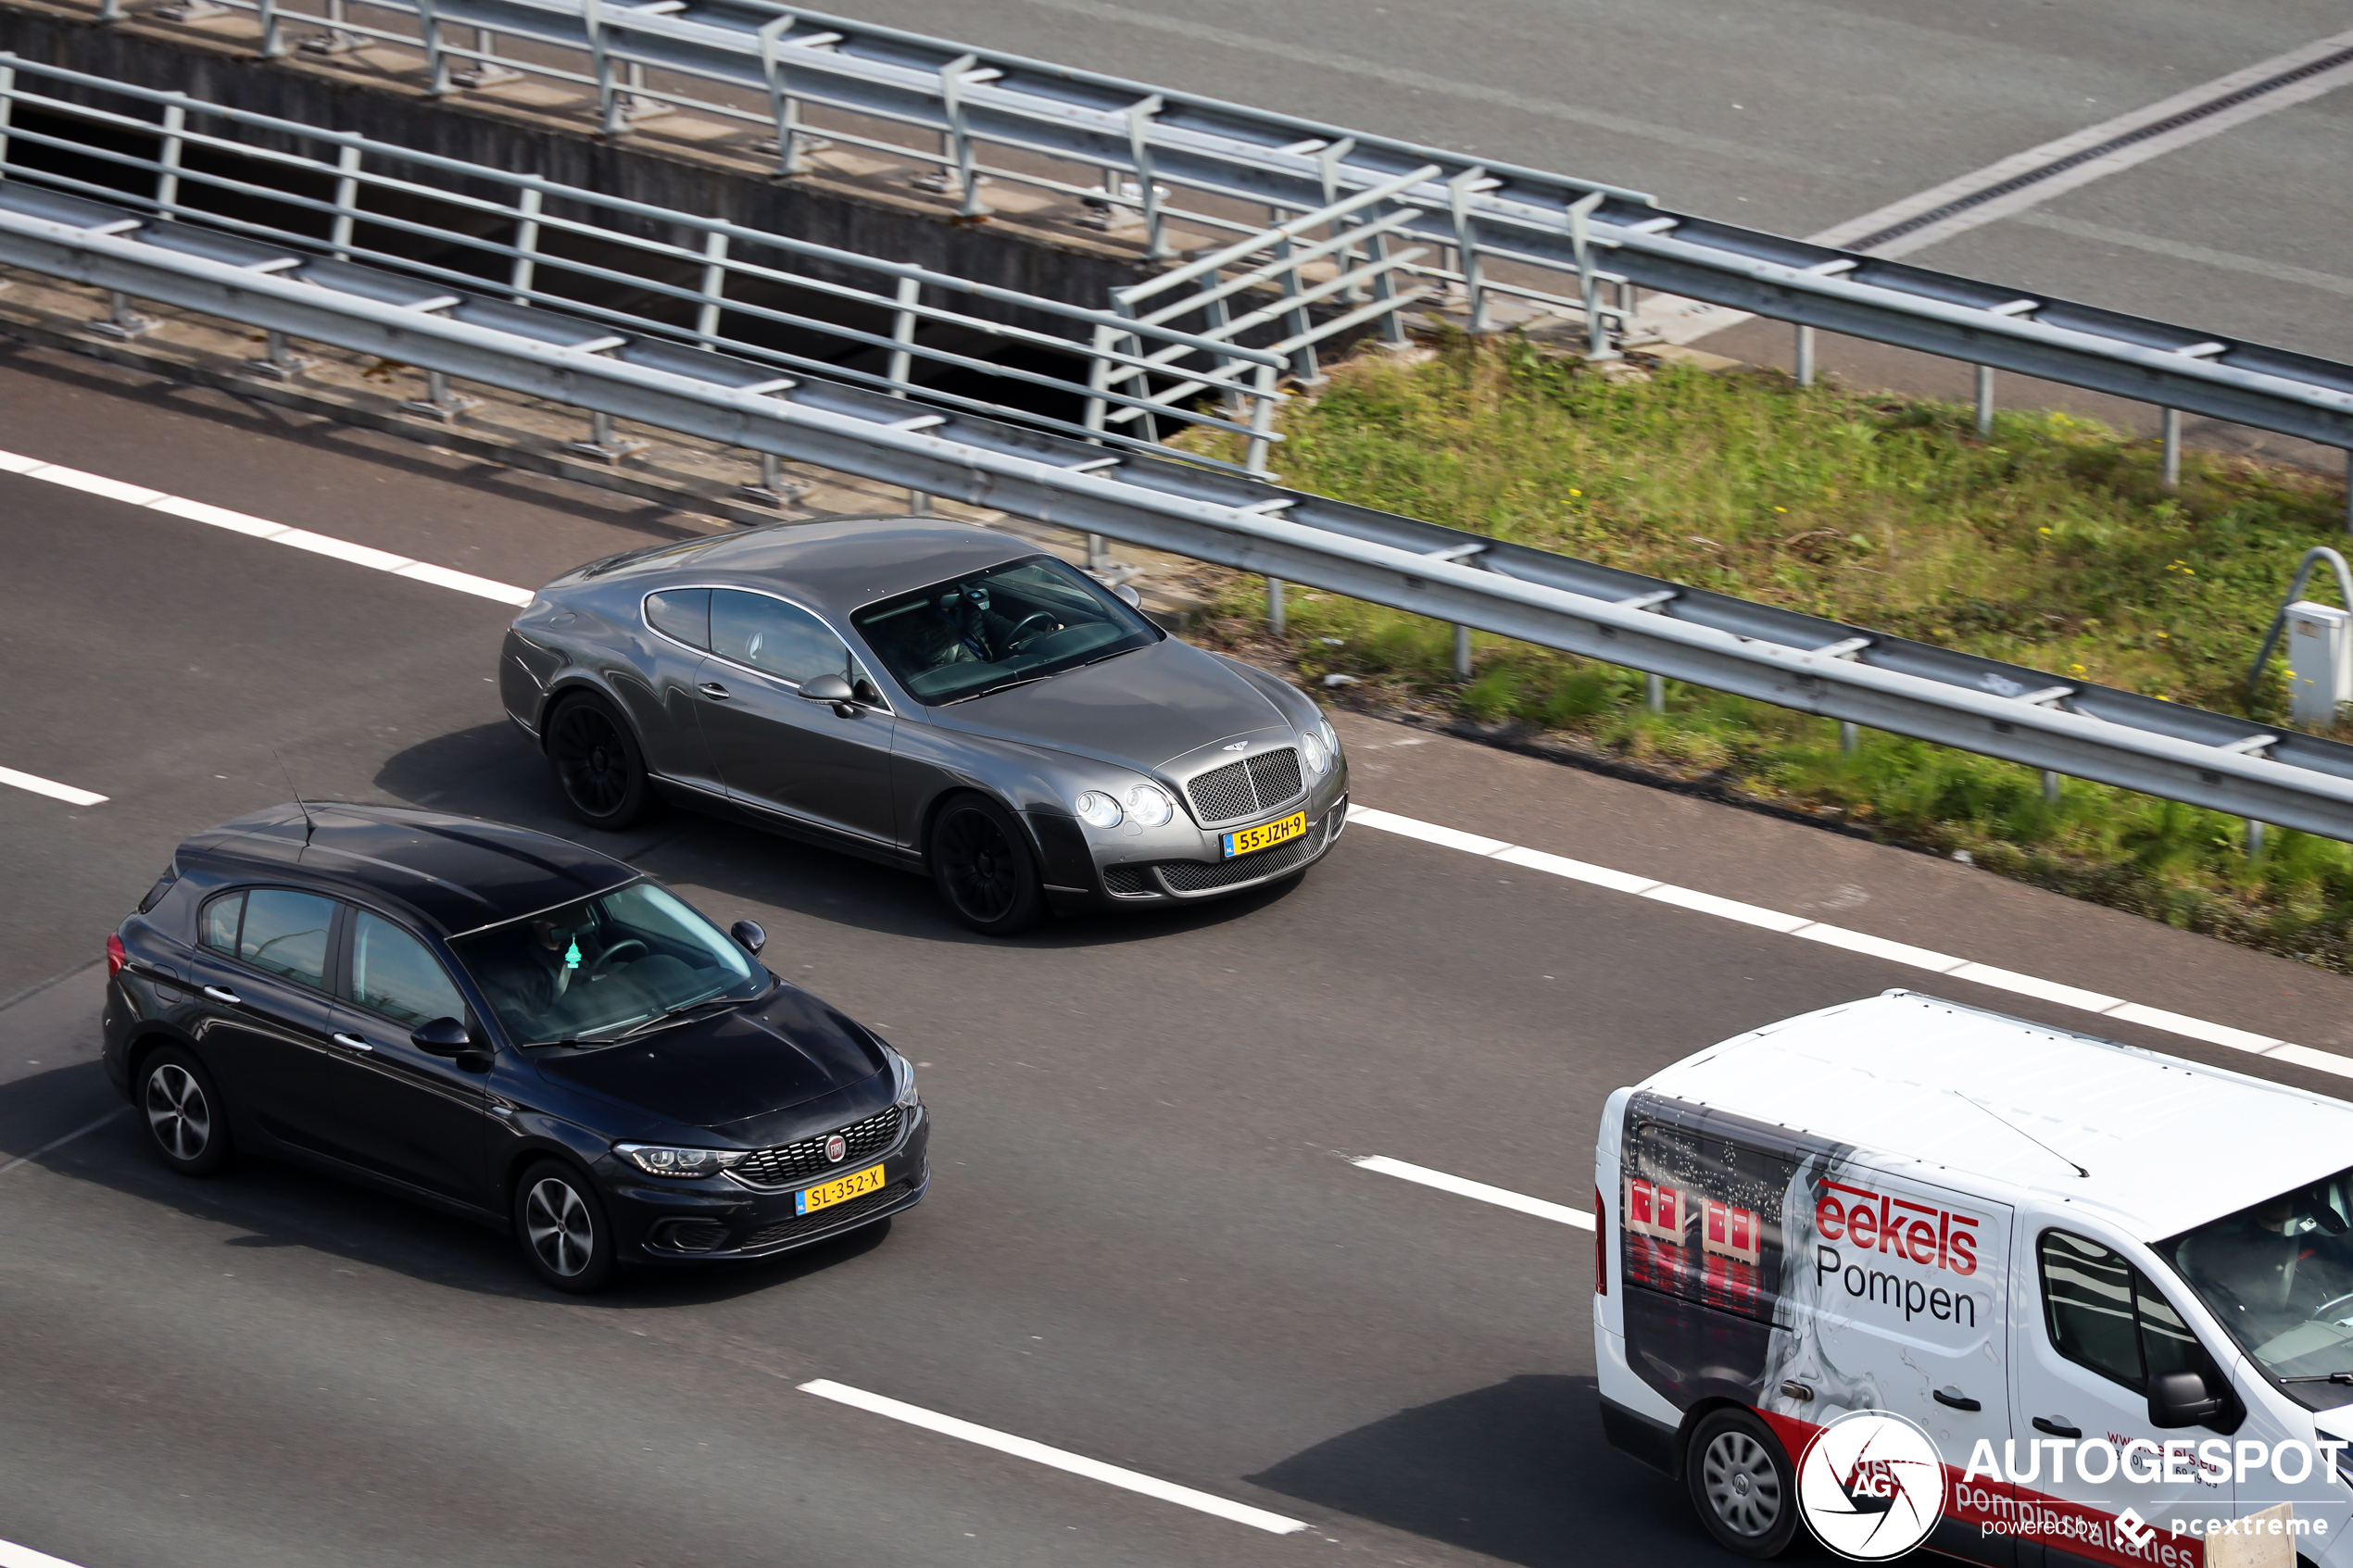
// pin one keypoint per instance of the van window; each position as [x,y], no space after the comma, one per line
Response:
[2104,1315]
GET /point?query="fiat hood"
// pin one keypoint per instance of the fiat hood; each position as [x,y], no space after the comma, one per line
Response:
[735,1068]
[1140,710]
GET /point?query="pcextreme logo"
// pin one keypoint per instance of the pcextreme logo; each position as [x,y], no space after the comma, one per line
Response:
[1871,1486]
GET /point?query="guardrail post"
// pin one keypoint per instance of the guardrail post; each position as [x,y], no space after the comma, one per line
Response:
[518,280]
[1462,652]
[773,488]
[1459,191]
[175,120]
[336,40]
[2170,468]
[347,201]
[278,362]
[903,333]
[2050,787]
[1140,149]
[1275,623]
[1599,349]
[273,38]
[1805,356]
[715,287]
[2254,839]
[436,62]
[8,106]
[485,71]
[1265,399]
[1297,323]
[613,114]
[1654,692]
[440,403]
[951,97]
[1850,739]
[1984,399]
[782,106]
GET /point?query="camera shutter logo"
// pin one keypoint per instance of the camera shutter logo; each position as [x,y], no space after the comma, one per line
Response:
[1871,1486]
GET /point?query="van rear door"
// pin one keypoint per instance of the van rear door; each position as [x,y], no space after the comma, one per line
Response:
[1901,1292]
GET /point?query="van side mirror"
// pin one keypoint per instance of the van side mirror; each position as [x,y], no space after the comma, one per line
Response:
[748,936]
[442,1037]
[2183,1398]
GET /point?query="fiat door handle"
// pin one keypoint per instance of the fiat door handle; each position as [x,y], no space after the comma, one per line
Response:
[1955,1399]
[353,1041]
[222,994]
[713,690]
[2056,1428]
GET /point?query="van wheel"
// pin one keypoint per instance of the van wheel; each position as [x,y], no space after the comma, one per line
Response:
[1742,1483]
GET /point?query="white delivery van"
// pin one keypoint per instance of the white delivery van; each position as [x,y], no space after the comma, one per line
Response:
[2115,1288]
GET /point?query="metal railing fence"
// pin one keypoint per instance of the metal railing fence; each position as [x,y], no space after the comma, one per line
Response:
[1798,661]
[534,233]
[1147,162]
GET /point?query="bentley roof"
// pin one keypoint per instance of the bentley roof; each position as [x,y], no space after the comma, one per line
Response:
[458,872]
[834,567]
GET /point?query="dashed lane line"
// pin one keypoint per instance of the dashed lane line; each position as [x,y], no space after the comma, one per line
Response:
[1430,833]
[1854,941]
[262,528]
[1076,1464]
[14,1556]
[51,1148]
[1504,1197]
[51,788]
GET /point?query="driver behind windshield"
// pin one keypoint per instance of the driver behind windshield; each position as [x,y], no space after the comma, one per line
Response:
[2267,1270]
[962,625]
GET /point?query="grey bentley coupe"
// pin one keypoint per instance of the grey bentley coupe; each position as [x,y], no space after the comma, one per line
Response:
[931,694]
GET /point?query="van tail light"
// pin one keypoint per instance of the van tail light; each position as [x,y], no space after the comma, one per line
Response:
[116,957]
[1601,1246]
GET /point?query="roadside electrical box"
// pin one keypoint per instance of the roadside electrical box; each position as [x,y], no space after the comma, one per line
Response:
[2319,662]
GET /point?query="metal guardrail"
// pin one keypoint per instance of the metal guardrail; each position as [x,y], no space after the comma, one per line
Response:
[1817,666]
[1149,158]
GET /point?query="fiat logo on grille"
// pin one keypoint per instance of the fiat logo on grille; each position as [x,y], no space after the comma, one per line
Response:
[836,1148]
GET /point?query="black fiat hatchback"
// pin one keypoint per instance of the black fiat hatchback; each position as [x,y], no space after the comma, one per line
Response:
[507,1026]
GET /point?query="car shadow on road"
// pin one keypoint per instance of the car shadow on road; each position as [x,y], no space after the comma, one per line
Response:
[1518,1472]
[491,770]
[266,1204]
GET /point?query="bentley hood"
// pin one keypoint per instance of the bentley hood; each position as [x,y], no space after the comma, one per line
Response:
[1140,709]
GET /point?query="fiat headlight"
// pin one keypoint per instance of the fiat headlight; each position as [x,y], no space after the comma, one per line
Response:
[903,1075]
[1097,809]
[1314,753]
[1149,805]
[661,1159]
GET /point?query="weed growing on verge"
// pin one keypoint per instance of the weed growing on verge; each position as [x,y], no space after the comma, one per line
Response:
[2051,544]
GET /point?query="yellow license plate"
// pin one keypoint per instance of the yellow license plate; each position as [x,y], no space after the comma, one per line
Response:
[856,1184]
[1267,835]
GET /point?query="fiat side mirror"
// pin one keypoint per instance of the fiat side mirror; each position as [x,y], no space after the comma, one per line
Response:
[442,1037]
[2183,1398]
[830,688]
[748,936]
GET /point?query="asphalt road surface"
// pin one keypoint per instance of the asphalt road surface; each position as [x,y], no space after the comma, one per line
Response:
[1795,116]
[1145,1246]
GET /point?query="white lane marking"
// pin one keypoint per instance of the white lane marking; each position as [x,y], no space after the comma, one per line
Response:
[14,1556]
[1686,321]
[50,787]
[1855,942]
[50,1148]
[1077,1464]
[262,528]
[1462,1187]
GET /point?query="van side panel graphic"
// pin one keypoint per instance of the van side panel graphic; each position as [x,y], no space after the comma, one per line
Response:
[1765,1257]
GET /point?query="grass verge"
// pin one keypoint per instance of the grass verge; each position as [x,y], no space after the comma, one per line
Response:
[2051,543]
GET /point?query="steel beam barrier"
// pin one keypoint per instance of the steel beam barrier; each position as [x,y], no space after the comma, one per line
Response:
[2022,715]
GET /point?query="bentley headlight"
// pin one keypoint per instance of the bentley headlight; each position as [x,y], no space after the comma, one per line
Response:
[1097,809]
[1331,736]
[659,1159]
[1314,754]
[1149,805]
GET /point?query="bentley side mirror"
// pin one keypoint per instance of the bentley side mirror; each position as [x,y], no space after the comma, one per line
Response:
[748,936]
[830,688]
[442,1037]
[1133,597]
[2183,1398]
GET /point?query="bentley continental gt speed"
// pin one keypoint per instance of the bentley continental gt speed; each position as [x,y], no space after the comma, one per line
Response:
[933,695]
[506,1026]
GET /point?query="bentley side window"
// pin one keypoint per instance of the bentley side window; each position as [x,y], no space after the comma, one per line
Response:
[774,637]
[682,613]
